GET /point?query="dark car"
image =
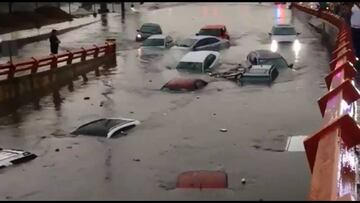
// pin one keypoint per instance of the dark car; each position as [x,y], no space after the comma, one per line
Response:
[146,30]
[267,57]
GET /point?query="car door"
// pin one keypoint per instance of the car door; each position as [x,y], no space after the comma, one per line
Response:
[208,62]
[212,61]
[200,45]
[209,44]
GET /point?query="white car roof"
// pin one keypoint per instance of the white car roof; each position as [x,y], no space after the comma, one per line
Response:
[157,37]
[197,56]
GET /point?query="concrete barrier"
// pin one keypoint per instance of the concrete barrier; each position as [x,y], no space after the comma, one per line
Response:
[331,151]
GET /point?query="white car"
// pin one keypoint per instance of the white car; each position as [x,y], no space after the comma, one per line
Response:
[158,41]
[202,42]
[155,45]
[283,33]
[199,61]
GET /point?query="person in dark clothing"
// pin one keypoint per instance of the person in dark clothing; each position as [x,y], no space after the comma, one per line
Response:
[54,42]
[345,12]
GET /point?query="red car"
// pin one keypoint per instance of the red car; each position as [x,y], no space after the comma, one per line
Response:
[215,30]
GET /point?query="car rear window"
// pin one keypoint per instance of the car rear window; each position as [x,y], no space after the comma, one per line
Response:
[150,29]
[153,42]
[284,31]
[212,32]
[190,66]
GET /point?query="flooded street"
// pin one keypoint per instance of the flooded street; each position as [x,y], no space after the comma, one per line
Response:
[178,131]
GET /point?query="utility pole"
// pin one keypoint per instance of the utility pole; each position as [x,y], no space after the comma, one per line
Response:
[70,8]
[123,8]
[10,7]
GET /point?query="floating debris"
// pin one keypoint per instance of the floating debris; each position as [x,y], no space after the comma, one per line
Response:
[223,130]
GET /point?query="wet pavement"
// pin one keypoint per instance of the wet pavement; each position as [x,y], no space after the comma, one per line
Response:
[178,132]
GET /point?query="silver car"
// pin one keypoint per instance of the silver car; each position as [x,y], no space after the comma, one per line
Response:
[202,43]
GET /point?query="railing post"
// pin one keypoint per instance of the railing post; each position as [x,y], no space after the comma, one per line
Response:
[12,69]
[53,64]
[96,52]
[70,57]
[35,65]
[83,54]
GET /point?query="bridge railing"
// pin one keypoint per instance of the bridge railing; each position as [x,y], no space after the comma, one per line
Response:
[331,151]
[35,65]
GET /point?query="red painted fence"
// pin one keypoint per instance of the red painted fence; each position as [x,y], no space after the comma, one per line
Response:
[330,151]
[52,62]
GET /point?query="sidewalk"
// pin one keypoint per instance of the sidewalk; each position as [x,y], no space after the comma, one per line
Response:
[22,34]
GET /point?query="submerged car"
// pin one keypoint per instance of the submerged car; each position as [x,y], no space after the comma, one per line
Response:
[199,61]
[267,57]
[184,84]
[215,30]
[158,41]
[260,73]
[13,156]
[155,45]
[146,30]
[106,127]
[202,42]
[283,33]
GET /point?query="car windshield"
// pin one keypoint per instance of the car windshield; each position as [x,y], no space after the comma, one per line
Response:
[212,32]
[186,43]
[284,31]
[190,66]
[153,42]
[149,29]
[277,62]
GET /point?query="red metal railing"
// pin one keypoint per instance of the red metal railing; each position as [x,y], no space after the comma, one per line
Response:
[330,151]
[35,65]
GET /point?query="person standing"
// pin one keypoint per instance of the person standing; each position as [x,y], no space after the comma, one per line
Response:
[355,27]
[54,42]
[345,12]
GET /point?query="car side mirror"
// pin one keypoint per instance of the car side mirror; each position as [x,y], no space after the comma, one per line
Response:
[197,34]
[291,65]
[270,33]
[298,33]
[137,30]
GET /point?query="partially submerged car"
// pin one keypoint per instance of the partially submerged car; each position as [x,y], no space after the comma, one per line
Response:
[14,156]
[252,73]
[215,30]
[200,43]
[260,73]
[106,127]
[146,30]
[267,57]
[283,33]
[184,84]
[155,45]
[158,41]
[199,61]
